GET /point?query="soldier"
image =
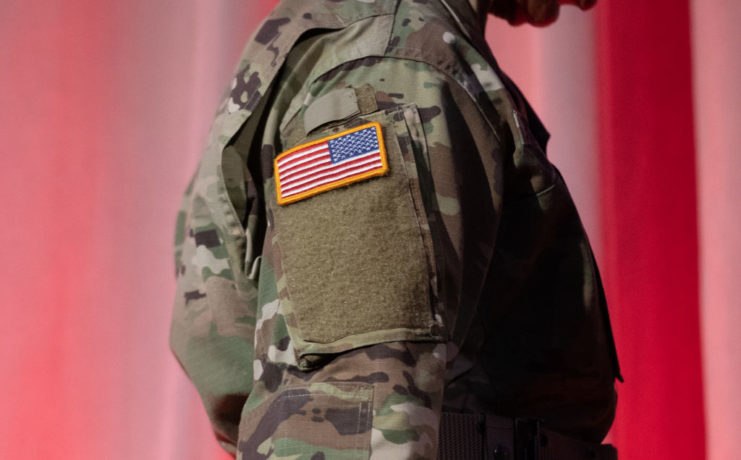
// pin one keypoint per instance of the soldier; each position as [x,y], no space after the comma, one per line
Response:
[375,258]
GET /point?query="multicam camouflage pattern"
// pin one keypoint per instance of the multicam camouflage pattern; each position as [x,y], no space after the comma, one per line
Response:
[520,322]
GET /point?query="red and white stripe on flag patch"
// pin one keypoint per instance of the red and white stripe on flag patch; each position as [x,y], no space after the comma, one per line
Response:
[331,162]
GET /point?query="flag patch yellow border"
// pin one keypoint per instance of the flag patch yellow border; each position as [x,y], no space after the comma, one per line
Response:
[331,162]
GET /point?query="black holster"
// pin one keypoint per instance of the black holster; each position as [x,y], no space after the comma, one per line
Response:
[491,437]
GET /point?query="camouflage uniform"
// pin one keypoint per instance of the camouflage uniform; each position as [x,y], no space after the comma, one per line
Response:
[341,325]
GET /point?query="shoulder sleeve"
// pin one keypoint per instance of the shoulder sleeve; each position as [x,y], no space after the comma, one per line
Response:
[361,291]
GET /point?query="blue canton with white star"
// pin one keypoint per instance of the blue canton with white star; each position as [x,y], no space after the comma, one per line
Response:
[352,145]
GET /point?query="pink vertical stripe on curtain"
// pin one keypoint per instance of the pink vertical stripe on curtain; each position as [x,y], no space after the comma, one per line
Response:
[717,96]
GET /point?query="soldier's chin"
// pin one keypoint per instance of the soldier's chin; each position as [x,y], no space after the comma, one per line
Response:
[583,4]
[516,12]
[540,14]
[536,12]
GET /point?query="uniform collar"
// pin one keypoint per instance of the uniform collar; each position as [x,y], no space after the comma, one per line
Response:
[464,15]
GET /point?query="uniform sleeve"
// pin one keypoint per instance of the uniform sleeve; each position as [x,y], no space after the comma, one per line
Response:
[213,320]
[366,289]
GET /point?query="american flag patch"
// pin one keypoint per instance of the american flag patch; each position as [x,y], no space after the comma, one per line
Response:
[331,162]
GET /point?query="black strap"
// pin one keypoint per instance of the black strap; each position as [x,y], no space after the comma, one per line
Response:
[491,437]
[461,436]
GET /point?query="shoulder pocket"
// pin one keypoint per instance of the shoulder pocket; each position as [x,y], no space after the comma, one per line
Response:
[356,259]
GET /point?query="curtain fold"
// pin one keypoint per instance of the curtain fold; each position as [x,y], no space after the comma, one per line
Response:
[649,209]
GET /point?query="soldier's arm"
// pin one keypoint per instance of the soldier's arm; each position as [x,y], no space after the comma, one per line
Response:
[369,278]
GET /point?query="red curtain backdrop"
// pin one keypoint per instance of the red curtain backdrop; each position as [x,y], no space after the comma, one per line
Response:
[104,107]
[649,211]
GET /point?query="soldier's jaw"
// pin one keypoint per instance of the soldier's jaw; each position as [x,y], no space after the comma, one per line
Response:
[583,4]
[536,12]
